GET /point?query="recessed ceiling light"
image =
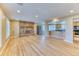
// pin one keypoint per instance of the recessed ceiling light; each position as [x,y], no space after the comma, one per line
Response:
[18,11]
[55,19]
[36,16]
[71,11]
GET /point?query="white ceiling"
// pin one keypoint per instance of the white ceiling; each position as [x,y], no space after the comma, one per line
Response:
[43,10]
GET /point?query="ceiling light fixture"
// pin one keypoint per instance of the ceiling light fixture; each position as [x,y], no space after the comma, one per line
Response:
[18,11]
[71,11]
[36,16]
[55,19]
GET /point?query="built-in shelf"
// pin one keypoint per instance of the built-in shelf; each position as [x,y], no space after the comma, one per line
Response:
[26,28]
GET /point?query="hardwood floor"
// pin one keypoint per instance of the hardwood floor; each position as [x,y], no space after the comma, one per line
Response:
[39,46]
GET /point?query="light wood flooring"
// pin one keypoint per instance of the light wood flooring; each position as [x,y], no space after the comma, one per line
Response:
[38,46]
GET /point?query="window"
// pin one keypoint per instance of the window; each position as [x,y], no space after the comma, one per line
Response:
[52,27]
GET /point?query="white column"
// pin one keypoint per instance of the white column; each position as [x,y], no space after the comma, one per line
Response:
[45,29]
[69,30]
